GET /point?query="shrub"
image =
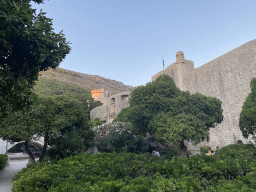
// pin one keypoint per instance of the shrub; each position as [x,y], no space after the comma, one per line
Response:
[204,150]
[118,137]
[70,143]
[144,172]
[3,160]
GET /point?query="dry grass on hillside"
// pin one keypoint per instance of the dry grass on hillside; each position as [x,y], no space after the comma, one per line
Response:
[86,81]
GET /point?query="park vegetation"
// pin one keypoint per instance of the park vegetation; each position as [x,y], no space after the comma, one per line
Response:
[61,114]
[232,168]
[161,109]
[28,45]
[125,163]
[160,116]
[247,121]
[3,161]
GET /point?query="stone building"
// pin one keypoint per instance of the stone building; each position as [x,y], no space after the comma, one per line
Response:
[227,78]
[100,95]
[111,107]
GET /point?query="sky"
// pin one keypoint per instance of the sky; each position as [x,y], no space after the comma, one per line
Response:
[125,40]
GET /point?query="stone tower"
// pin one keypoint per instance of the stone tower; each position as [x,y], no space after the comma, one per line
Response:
[178,70]
[99,95]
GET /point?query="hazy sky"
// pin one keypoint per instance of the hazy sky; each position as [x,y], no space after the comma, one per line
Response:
[125,40]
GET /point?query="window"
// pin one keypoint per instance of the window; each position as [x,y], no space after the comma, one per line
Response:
[125,97]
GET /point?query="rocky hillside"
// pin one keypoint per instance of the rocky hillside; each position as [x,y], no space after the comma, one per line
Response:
[86,81]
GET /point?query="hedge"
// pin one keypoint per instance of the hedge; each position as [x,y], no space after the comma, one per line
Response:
[232,168]
[3,161]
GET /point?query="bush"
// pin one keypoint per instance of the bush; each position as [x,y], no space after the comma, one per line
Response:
[70,143]
[204,150]
[3,161]
[118,137]
[144,172]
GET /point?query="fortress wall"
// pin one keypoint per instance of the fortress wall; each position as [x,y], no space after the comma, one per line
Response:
[183,69]
[111,108]
[177,71]
[171,71]
[227,78]
[100,112]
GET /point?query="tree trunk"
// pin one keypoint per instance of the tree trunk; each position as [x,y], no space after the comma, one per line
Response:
[28,151]
[46,138]
[182,149]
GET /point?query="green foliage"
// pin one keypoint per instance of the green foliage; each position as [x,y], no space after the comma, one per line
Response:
[50,87]
[67,144]
[63,103]
[146,101]
[118,137]
[247,121]
[204,150]
[48,117]
[160,108]
[96,122]
[3,161]
[229,170]
[53,87]
[28,45]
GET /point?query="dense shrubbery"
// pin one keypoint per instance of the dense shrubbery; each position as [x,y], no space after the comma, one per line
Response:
[65,145]
[119,137]
[233,168]
[3,161]
[204,149]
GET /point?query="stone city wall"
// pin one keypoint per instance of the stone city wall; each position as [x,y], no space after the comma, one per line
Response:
[227,78]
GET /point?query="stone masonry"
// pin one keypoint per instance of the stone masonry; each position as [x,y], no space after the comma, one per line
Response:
[111,107]
[227,78]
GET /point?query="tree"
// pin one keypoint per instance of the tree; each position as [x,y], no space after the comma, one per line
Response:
[247,121]
[28,45]
[160,108]
[49,117]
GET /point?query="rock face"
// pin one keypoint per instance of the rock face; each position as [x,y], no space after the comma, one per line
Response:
[227,78]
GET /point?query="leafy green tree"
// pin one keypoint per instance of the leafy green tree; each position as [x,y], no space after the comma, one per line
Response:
[28,45]
[160,108]
[49,117]
[247,121]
